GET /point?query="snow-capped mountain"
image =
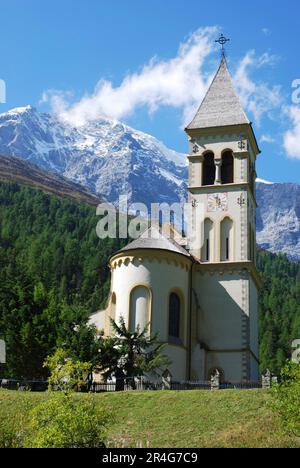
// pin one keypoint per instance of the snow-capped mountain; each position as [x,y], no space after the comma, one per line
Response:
[107,157]
[111,159]
[278,218]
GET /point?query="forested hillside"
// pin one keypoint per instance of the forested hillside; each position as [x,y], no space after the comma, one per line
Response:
[54,274]
[279,309]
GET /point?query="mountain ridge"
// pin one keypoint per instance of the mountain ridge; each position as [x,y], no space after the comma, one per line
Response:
[13,169]
[111,159]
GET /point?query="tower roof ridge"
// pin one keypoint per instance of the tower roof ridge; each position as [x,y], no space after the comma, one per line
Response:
[221,105]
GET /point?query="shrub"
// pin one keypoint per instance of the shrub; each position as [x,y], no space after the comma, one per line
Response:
[67,421]
[287,398]
[66,374]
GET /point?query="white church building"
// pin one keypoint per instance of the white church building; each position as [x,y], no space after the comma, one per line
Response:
[202,301]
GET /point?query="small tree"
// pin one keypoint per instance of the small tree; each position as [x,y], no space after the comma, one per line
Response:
[67,374]
[287,398]
[130,354]
[66,421]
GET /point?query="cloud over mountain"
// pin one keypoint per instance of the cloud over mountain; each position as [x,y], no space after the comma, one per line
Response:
[179,82]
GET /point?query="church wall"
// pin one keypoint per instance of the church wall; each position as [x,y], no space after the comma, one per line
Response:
[229,364]
[223,323]
[161,274]
[239,216]
[254,365]
[221,301]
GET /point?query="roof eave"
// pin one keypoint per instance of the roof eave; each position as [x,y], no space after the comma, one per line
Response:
[204,130]
[120,253]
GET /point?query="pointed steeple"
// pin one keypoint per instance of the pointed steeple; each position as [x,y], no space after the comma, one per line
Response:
[221,106]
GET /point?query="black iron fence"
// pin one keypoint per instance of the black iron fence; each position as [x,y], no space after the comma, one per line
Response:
[240,385]
[131,384]
[24,385]
[128,385]
[125,385]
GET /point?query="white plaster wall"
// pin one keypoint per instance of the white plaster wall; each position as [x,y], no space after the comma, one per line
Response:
[230,363]
[178,357]
[98,319]
[254,370]
[161,277]
[235,212]
[254,342]
[220,298]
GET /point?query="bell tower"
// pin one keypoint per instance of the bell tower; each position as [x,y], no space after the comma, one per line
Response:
[222,158]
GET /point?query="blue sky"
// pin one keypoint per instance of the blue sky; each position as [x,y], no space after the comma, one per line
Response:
[53,54]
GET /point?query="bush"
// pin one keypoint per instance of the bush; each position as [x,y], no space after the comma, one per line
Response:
[287,398]
[66,374]
[67,421]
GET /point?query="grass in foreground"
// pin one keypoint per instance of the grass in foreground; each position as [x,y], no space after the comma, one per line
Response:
[186,419]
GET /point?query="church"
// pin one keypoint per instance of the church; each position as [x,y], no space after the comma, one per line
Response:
[201,300]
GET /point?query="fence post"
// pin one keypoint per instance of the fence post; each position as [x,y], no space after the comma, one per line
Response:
[166,380]
[215,381]
[267,380]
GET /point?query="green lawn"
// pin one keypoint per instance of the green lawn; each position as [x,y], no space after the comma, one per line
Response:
[171,419]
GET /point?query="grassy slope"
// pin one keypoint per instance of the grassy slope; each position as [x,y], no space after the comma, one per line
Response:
[175,419]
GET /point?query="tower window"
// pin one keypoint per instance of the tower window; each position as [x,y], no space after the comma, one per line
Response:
[227,240]
[207,250]
[208,241]
[174,316]
[209,170]
[227,169]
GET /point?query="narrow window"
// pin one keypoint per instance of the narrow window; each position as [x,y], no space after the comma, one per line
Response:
[227,248]
[227,240]
[227,168]
[209,170]
[207,250]
[208,241]
[174,316]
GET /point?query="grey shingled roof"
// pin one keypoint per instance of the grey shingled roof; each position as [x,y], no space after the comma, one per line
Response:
[221,105]
[149,240]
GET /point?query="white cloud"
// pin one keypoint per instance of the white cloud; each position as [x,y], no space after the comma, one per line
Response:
[180,82]
[267,139]
[257,97]
[266,31]
[292,136]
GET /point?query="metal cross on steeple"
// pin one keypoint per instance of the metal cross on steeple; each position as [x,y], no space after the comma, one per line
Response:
[222,41]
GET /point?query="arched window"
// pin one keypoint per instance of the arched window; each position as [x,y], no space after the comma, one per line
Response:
[209,169]
[174,316]
[227,240]
[139,314]
[208,245]
[227,169]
